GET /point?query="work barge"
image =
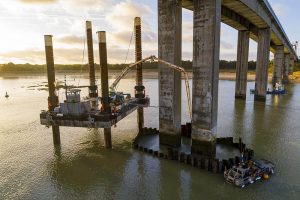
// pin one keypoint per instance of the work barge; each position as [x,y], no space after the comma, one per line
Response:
[97,111]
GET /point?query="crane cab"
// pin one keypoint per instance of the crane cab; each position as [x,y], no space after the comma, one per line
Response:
[73,96]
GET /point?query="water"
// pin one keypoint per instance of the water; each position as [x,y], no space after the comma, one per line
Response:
[31,168]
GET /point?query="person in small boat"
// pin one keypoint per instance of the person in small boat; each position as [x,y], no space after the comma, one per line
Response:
[277,86]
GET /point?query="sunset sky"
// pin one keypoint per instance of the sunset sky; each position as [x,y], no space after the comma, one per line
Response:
[25,22]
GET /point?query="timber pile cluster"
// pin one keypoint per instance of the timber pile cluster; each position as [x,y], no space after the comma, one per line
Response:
[209,164]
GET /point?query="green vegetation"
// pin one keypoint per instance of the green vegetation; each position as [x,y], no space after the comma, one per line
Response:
[30,68]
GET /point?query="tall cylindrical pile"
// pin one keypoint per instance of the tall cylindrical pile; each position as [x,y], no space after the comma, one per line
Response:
[104,83]
[139,70]
[52,99]
[93,87]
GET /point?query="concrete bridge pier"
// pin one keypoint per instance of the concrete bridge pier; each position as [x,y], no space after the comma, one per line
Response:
[292,65]
[278,65]
[242,64]
[53,98]
[104,84]
[207,23]
[286,68]
[169,49]
[263,54]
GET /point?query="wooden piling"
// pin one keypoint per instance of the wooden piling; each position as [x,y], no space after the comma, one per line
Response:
[104,83]
[52,99]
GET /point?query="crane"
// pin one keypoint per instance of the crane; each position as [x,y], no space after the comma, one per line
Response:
[154,58]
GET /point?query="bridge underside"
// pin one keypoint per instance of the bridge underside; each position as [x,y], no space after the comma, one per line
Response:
[253,19]
[239,14]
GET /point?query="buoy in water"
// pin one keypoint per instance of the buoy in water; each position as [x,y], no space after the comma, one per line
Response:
[6,95]
[266,177]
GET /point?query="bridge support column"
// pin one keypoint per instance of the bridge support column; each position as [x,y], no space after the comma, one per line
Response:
[278,65]
[52,99]
[286,68]
[207,23]
[104,84]
[242,64]
[263,55]
[169,49]
[292,65]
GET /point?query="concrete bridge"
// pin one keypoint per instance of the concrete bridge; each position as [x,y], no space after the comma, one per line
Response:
[253,19]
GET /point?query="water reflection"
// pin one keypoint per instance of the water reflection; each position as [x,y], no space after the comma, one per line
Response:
[57,152]
[87,170]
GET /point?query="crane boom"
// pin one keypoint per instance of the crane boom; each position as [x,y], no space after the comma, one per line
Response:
[125,72]
[152,58]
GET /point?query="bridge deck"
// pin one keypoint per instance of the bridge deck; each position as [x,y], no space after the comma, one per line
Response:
[251,15]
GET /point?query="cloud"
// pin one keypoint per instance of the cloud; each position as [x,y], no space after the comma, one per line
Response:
[69,55]
[121,37]
[38,56]
[23,56]
[187,38]
[187,25]
[149,37]
[71,39]
[226,45]
[38,1]
[89,4]
[122,15]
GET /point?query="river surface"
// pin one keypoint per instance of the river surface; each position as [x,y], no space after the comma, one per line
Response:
[31,168]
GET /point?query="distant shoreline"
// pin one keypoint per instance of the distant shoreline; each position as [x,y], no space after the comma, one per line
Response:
[147,74]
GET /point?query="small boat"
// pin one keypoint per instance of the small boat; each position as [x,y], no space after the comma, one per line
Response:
[277,92]
[6,95]
[247,173]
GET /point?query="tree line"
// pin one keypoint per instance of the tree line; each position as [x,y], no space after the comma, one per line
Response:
[34,68]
